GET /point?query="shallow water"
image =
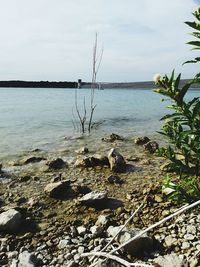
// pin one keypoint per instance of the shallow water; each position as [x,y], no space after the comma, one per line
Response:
[41,118]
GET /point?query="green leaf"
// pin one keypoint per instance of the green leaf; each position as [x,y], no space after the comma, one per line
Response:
[176,84]
[195,43]
[193,25]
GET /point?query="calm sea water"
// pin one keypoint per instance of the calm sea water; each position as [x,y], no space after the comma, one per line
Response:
[32,118]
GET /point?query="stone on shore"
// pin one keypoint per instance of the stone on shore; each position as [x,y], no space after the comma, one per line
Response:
[114,179]
[113,137]
[83,150]
[57,189]
[56,164]
[96,160]
[1,167]
[170,260]
[141,140]
[33,159]
[116,160]
[10,221]
[93,197]
[26,259]
[151,146]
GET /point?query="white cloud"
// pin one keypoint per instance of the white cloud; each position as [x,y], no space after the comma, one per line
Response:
[52,40]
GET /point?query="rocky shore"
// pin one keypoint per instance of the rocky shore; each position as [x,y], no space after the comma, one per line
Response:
[56,209]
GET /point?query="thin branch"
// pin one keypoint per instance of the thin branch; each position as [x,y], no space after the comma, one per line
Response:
[131,217]
[177,212]
[115,258]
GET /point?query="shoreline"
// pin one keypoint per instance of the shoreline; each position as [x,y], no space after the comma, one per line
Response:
[57,230]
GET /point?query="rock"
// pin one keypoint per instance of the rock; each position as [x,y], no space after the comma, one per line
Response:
[185,245]
[170,260]
[114,179]
[113,137]
[96,230]
[24,178]
[141,140]
[83,150]
[94,197]
[96,160]
[27,259]
[81,230]
[138,247]
[189,237]
[151,146]
[102,220]
[116,160]
[10,221]
[33,159]
[57,189]
[169,240]
[1,165]
[56,164]
[63,243]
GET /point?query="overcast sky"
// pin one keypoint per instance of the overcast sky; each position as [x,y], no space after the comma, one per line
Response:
[53,39]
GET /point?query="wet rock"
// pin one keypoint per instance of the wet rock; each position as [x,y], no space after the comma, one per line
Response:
[96,160]
[114,179]
[171,260]
[83,150]
[10,221]
[26,259]
[113,137]
[56,164]
[57,189]
[141,140]
[151,146]
[1,165]
[93,197]
[33,159]
[116,160]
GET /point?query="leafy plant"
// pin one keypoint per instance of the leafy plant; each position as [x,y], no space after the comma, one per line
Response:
[182,128]
[186,190]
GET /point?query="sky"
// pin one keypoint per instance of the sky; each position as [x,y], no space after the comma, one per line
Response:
[53,39]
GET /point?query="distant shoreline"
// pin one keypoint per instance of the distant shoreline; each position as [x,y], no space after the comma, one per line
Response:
[66,84]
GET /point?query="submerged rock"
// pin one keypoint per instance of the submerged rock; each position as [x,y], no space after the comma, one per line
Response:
[57,189]
[116,160]
[141,140]
[10,221]
[96,160]
[1,165]
[56,164]
[33,159]
[113,137]
[82,150]
[151,146]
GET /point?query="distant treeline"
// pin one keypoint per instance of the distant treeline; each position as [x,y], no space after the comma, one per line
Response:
[102,85]
[40,84]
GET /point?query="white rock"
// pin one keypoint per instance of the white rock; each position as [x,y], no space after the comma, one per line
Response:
[26,259]
[93,196]
[10,220]
[116,160]
[191,229]
[63,243]
[171,260]
[185,245]
[102,220]
[169,240]
[189,237]
[81,230]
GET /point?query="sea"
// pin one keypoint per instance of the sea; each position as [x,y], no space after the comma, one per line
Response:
[44,118]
